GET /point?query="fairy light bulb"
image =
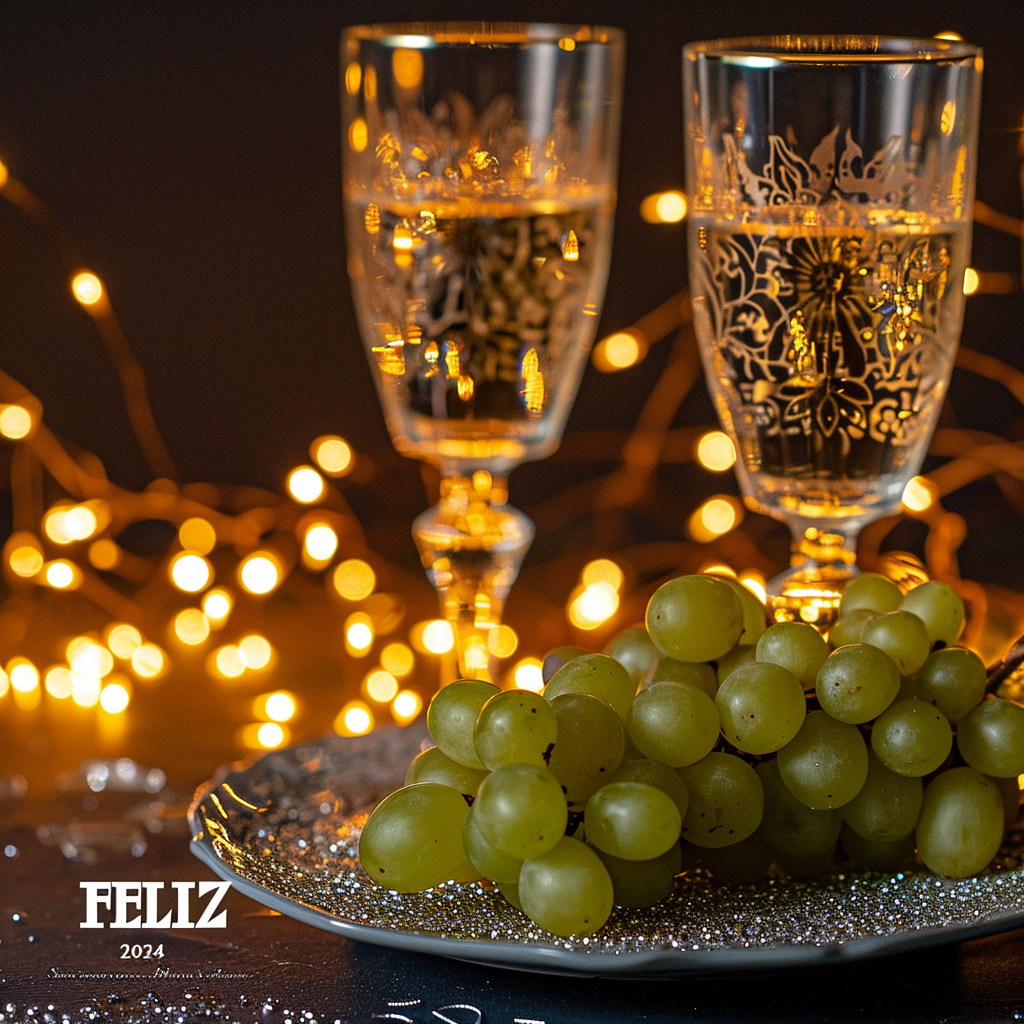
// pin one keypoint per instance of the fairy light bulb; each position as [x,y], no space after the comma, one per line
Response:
[25,561]
[191,626]
[15,422]
[89,658]
[381,686]
[114,698]
[191,572]
[228,661]
[217,606]
[123,639]
[354,579]
[602,570]
[529,675]
[664,207]
[198,535]
[359,634]
[332,454]
[502,641]
[85,690]
[259,573]
[715,451]
[87,288]
[320,542]
[354,719]
[398,659]
[596,604]
[24,676]
[62,574]
[148,661]
[438,636]
[406,706]
[278,706]
[919,495]
[255,651]
[305,484]
[58,682]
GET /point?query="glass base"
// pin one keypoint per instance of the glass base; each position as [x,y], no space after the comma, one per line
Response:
[472,544]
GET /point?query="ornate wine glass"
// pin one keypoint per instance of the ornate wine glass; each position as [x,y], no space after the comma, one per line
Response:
[832,190]
[479,186]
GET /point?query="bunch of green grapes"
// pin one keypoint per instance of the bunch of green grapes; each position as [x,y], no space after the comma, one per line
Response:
[707,735]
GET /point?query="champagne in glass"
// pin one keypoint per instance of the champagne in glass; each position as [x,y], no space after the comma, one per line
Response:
[479,186]
[832,189]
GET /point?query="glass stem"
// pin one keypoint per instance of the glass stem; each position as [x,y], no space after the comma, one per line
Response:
[472,544]
[822,560]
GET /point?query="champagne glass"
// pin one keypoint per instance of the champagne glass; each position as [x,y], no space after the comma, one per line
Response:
[479,188]
[832,190]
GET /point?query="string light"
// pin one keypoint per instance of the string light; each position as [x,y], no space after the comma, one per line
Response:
[191,572]
[406,706]
[89,658]
[381,686]
[259,573]
[320,543]
[62,574]
[114,698]
[305,484]
[24,676]
[602,570]
[715,517]
[354,719]
[919,495]
[87,288]
[438,636]
[715,451]
[971,281]
[25,560]
[217,606]
[228,661]
[148,661]
[592,606]
[359,634]
[619,351]
[278,706]
[85,690]
[255,651]
[354,579]
[332,454]
[15,422]
[398,659]
[123,639]
[198,535]
[58,682]
[502,641]
[53,523]
[529,675]
[270,735]
[191,626]
[664,207]
[104,554]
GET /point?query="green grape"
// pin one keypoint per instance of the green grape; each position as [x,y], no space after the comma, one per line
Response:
[991,738]
[487,859]
[961,823]
[788,826]
[741,863]
[953,679]
[451,718]
[1009,790]
[875,854]
[857,683]
[850,627]
[591,744]
[558,657]
[674,723]
[762,707]
[521,810]
[653,773]
[510,890]
[668,670]
[598,675]
[567,890]
[634,650]
[695,618]
[795,646]
[641,883]
[887,806]
[432,765]
[413,839]
[740,655]
[869,590]
[754,616]
[902,635]
[632,820]
[515,725]
[825,764]
[726,800]
[939,606]
[912,738]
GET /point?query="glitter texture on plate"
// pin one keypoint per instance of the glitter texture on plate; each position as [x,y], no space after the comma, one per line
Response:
[285,830]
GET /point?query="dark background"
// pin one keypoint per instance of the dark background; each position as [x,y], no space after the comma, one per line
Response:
[192,150]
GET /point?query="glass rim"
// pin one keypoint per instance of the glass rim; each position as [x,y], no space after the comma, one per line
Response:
[426,34]
[766,52]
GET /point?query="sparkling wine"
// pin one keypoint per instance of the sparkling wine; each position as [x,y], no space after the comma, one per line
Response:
[478,313]
[828,341]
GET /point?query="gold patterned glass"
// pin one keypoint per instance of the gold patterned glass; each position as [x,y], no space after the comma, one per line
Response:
[479,187]
[832,188]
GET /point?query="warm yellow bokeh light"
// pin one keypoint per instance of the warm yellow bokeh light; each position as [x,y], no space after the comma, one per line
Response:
[198,535]
[87,288]
[354,579]
[971,281]
[255,651]
[953,37]
[502,641]
[191,572]
[529,675]
[305,484]
[353,78]
[228,661]
[79,522]
[320,542]
[123,639]
[278,706]
[715,451]
[406,706]
[359,634]
[53,524]
[85,690]
[919,494]
[398,659]
[354,719]
[622,350]
[26,561]
[438,636]
[597,603]
[104,554]
[217,606]
[58,682]
[24,676]
[714,518]
[602,570]
[5,682]
[114,698]
[332,454]
[89,658]
[664,207]
[358,135]
[191,626]
[62,575]
[259,573]
[381,686]
[15,422]
[270,735]
[148,661]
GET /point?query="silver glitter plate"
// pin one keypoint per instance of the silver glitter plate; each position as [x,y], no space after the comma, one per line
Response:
[284,831]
